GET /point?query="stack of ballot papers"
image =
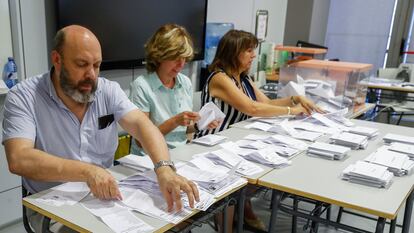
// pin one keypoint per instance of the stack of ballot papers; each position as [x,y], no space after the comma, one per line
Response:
[283,151]
[390,137]
[291,146]
[139,163]
[369,174]
[327,151]
[351,140]
[116,215]
[270,120]
[208,113]
[285,128]
[403,148]
[308,126]
[231,159]
[266,156]
[397,163]
[212,181]
[141,193]
[365,131]
[210,140]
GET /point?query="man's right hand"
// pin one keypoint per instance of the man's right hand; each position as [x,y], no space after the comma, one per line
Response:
[102,184]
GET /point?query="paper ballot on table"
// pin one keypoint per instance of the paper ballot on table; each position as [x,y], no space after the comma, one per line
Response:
[286,140]
[390,137]
[267,156]
[403,148]
[208,113]
[329,151]
[326,121]
[137,162]
[210,140]
[397,163]
[116,216]
[68,193]
[292,89]
[355,141]
[368,174]
[365,131]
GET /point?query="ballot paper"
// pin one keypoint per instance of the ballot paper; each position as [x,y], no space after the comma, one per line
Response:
[286,140]
[368,174]
[115,215]
[140,163]
[328,151]
[271,120]
[214,183]
[365,131]
[397,163]
[390,137]
[326,121]
[289,129]
[403,148]
[313,127]
[210,140]
[266,156]
[68,193]
[292,89]
[351,140]
[230,159]
[208,113]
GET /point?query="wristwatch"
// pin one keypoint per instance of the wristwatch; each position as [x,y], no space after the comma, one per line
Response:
[165,163]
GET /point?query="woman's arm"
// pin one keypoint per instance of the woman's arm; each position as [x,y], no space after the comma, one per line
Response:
[223,88]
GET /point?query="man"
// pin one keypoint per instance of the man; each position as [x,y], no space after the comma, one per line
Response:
[61,126]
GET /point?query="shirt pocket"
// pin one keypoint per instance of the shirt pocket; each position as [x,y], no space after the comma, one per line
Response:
[107,140]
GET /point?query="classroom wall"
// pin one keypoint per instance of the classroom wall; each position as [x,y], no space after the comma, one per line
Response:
[10,191]
[24,36]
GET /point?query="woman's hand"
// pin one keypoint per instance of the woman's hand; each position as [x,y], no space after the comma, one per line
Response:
[186,118]
[307,104]
[214,124]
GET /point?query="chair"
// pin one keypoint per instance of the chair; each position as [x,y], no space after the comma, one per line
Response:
[46,220]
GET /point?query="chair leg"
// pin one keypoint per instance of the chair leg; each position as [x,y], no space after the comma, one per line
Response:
[26,221]
[338,218]
[399,119]
[45,225]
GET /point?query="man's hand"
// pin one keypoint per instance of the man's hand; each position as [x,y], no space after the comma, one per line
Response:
[102,184]
[171,185]
[187,118]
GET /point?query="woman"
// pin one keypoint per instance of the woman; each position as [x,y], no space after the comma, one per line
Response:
[164,94]
[232,90]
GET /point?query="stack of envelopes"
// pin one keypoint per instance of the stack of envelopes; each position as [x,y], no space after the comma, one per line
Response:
[368,174]
[397,163]
[365,131]
[327,151]
[354,141]
[390,137]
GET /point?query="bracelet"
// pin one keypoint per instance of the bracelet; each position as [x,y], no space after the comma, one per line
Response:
[288,110]
[292,99]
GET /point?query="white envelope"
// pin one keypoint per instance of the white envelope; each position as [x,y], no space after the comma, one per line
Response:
[208,113]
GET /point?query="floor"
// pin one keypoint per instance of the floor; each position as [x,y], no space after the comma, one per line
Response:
[261,205]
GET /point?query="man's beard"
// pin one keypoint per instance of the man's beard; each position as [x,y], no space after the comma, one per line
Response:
[72,90]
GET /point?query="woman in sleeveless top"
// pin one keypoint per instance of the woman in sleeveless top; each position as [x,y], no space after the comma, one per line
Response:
[232,90]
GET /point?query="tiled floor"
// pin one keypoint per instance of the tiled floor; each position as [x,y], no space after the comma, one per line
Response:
[261,205]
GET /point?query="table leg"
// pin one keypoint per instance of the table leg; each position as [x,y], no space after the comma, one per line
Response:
[380,225]
[294,217]
[276,197]
[240,210]
[393,225]
[407,213]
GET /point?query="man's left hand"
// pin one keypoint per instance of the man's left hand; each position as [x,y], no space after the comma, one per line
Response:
[171,185]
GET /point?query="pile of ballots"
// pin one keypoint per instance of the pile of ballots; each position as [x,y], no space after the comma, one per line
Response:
[327,151]
[368,174]
[354,141]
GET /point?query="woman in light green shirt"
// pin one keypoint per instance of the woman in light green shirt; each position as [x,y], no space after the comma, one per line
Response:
[164,94]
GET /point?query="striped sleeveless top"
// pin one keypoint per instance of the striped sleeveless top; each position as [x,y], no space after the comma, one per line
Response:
[232,114]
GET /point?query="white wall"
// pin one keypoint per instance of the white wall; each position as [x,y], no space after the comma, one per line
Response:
[319,22]
[10,193]
[243,14]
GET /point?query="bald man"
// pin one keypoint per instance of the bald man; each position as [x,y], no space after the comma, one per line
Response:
[61,126]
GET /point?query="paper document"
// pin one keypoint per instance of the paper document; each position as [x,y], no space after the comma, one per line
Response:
[65,194]
[137,162]
[208,113]
[126,222]
[210,140]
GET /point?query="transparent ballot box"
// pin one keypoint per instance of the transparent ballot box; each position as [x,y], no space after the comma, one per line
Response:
[330,84]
